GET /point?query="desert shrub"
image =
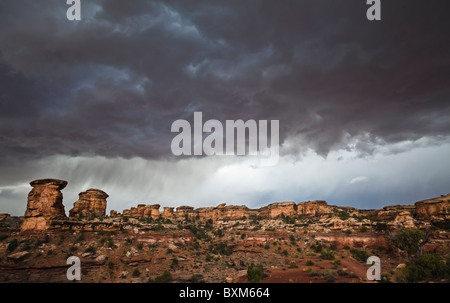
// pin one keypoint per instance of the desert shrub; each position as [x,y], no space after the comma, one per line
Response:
[313,273]
[166,277]
[174,263]
[79,239]
[317,247]
[329,275]
[360,255]
[337,262]
[292,264]
[408,240]
[442,224]
[327,255]
[111,243]
[343,215]
[195,279]
[157,227]
[255,273]
[136,272]
[90,249]
[221,249]
[140,246]
[285,253]
[309,263]
[425,267]
[381,226]
[363,229]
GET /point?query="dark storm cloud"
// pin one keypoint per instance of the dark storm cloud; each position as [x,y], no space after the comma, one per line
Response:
[113,83]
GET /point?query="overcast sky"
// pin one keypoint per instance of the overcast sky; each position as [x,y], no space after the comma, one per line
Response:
[363,106]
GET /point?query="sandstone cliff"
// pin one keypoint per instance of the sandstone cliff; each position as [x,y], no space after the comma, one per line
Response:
[434,209]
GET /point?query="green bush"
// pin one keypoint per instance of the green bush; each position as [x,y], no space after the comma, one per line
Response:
[327,255]
[317,247]
[360,255]
[166,277]
[343,215]
[255,273]
[425,267]
[221,248]
[309,263]
[408,240]
[174,263]
[136,272]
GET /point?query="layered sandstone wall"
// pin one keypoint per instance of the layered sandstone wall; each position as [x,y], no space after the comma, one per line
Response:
[44,204]
[231,212]
[313,208]
[434,209]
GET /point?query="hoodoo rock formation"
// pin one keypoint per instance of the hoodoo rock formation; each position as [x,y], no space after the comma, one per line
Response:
[44,204]
[91,203]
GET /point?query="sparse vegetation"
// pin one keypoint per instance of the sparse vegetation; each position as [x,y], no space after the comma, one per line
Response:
[166,277]
[427,267]
[309,263]
[360,255]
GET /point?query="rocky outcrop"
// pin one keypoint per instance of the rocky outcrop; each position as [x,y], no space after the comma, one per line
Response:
[91,203]
[392,211]
[434,209]
[44,204]
[315,208]
[143,211]
[185,212]
[275,210]
[168,213]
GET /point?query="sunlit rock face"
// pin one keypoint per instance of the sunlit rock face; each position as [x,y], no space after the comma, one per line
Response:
[91,203]
[434,209]
[45,203]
